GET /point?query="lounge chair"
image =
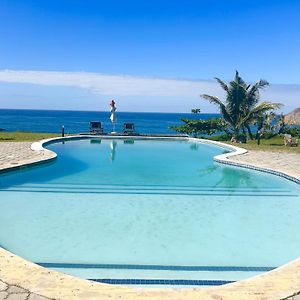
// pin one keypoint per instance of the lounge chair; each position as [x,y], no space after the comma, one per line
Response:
[288,141]
[128,128]
[96,127]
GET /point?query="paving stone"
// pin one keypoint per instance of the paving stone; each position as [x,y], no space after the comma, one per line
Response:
[17,296]
[3,295]
[37,297]
[3,286]
[13,289]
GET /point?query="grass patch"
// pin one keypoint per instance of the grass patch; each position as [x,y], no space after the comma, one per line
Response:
[24,136]
[274,144]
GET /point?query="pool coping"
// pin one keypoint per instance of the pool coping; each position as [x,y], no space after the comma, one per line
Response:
[280,283]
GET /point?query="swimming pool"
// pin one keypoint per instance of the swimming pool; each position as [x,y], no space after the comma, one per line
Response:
[149,212]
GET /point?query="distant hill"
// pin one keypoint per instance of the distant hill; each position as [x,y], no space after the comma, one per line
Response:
[293,118]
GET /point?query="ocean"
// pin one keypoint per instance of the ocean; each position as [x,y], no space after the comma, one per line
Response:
[78,121]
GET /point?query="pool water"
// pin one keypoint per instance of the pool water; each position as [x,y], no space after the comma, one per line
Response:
[149,210]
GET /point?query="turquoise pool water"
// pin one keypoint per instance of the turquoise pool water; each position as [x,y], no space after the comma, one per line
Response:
[149,209]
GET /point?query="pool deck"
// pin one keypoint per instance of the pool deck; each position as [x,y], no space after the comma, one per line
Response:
[16,154]
[23,280]
[288,163]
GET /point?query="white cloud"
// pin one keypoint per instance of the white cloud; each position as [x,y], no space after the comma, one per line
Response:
[130,86]
[118,85]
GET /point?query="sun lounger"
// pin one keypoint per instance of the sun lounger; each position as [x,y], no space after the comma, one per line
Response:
[288,141]
[128,128]
[96,127]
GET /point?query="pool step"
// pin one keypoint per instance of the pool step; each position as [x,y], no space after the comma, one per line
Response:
[158,274]
[158,267]
[177,282]
[148,190]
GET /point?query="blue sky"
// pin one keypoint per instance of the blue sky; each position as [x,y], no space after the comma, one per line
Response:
[172,47]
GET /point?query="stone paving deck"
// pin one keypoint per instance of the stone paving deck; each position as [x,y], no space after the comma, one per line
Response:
[288,163]
[14,292]
[14,154]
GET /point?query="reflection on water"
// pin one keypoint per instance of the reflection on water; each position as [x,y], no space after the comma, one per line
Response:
[95,141]
[208,170]
[228,176]
[194,146]
[129,141]
[113,146]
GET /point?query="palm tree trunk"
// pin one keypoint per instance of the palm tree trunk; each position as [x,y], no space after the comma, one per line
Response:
[249,132]
[258,132]
[235,135]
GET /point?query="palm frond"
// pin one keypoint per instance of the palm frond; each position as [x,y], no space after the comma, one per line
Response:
[258,85]
[238,79]
[223,110]
[235,100]
[253,92]
[212,99]
[222,84]
[265,106]
[259,109]
[262,83]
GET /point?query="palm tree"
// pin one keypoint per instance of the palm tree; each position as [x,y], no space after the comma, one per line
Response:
[195,110]
[281,123]
[241,107]
[264,123]
[253,99]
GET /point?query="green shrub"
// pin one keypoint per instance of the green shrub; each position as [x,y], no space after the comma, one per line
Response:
[293,131]
[221,137]
[200,127]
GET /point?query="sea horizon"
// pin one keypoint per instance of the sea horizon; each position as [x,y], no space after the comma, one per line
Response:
[125,111]
[77,121]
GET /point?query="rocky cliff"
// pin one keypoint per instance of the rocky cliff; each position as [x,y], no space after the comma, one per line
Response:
[293,118]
